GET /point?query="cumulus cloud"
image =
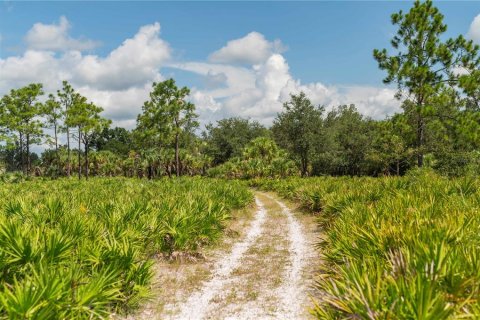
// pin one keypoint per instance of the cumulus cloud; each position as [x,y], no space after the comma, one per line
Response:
[119,82]
[260,91]
[215,79]
[55,37]
[236,79]
[204,101]
[32,66]
[248,77]
[251,49]
[136,61]
[474,32]
[120,105]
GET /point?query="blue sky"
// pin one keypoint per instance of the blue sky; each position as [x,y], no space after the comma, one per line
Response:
[324,47]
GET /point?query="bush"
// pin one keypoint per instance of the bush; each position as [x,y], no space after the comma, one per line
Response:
[261,158]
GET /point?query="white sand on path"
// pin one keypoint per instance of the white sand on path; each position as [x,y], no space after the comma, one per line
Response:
[289,296]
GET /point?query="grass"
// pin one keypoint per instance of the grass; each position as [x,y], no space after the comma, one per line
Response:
[394,248]
[71,249]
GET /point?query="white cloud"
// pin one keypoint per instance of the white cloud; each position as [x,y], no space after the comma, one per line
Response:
[55,37]
[251,49]
[32,66]
[119,105]
[204,101]
[121,80]
[237,79]
[474,32]
[215,79]
[135,62]
[260,91]
[132,64]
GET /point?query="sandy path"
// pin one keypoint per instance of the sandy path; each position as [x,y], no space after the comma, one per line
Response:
[197,305]
[263,276]
[264,273]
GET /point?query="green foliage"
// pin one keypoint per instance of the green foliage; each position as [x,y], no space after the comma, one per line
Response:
[83,249]
[347,138]
[297,128]
[425,67]
[261,158]
[228,138]
[117,140]
[394,248]
[20,125]
[167,117]
[86,117]
[67,98]
[53,113]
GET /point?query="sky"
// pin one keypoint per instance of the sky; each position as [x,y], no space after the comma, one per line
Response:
[239,58]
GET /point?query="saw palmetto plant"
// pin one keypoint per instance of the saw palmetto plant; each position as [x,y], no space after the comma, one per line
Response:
[73,250]
[394,248]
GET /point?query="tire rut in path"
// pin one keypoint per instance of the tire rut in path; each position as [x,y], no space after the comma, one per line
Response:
[264,274]
[197,304]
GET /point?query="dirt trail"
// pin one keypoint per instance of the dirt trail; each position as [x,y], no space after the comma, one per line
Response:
[266,273]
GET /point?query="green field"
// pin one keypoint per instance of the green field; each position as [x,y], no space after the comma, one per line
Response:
[82,249]
[394,248]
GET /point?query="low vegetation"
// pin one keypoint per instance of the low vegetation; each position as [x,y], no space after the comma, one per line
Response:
[394,247]
[260,158]
[73,250]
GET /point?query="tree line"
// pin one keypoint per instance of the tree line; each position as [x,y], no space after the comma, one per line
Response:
[438,82]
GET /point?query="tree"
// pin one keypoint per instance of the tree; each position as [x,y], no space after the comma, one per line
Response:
[166,116]
[229,136]
[20,116]
[297,128]
[388,149]
[67,98]
[86,117]
[347,136]
[470,84]
[423,64]
[117,140]
[52,111]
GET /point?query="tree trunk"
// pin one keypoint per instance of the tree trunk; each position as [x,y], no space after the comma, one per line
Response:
[22,154]
[86,158]
[177,159]
[57,155]
[68,152]
[28,154]
[56,139]
[398,167]
[304,166]
[79,154]
[150,171]
[420,141]
[420,131]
